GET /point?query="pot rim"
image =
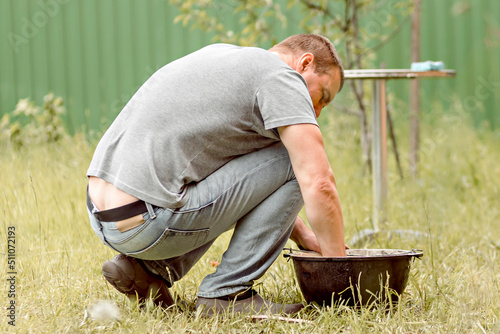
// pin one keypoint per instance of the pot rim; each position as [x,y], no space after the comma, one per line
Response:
[302,255]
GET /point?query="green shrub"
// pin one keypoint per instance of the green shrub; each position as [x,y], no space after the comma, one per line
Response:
[29,123]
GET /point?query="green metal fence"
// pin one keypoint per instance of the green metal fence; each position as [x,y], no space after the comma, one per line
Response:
[96,53]
[466,36]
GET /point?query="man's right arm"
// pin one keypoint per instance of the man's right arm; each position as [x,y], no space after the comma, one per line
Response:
[305,147]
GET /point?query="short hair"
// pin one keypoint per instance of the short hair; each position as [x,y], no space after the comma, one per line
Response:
[325,55]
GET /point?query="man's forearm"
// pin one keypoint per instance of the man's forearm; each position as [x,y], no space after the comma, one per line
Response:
[324,214]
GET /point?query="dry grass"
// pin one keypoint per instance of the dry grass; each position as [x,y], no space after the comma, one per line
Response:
[455,201]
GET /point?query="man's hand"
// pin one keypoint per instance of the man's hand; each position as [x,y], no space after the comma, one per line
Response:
[304,237]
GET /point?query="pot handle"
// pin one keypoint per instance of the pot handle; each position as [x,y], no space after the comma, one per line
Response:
[418,253]
[291,250]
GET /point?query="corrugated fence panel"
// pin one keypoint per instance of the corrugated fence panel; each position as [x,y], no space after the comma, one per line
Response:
[108,79]
[57,59]
[466,36]
[96,53]
[91,56]
[22,57]
[8,80]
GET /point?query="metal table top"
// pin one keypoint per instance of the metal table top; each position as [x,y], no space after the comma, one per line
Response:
[396,74]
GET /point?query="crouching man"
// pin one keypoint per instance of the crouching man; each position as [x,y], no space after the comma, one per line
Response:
[223,138]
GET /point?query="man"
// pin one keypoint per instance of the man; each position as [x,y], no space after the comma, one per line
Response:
[223,138]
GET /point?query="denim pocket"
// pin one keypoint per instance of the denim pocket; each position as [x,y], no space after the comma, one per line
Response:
[118,238]
[173,242]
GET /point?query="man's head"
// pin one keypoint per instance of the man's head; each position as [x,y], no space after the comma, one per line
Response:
[316,59]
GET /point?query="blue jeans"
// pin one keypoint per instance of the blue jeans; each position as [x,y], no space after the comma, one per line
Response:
[256,194]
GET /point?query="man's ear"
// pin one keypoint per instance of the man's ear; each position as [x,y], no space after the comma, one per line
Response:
[305,61]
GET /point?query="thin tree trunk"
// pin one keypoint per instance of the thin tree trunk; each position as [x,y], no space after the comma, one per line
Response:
[414,89]
[359,92]
[393,140]
[393,134]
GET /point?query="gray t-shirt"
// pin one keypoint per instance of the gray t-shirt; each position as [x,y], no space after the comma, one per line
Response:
[196,114]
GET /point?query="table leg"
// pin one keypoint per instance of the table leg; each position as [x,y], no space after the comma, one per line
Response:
[379,154]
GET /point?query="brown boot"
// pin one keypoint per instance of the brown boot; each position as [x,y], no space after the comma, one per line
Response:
[127,276]
[253,304]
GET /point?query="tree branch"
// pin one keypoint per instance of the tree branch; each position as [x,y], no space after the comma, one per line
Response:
[346,110]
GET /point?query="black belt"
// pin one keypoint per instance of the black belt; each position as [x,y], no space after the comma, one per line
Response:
[120,213]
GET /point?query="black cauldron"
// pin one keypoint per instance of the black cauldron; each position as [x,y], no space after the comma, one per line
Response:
[362,277]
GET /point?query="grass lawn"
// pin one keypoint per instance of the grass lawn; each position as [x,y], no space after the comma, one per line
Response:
[455,203]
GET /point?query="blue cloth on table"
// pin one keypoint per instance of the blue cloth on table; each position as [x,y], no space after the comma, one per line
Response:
[427,66]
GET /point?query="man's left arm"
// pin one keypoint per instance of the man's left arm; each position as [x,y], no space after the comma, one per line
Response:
[304,144]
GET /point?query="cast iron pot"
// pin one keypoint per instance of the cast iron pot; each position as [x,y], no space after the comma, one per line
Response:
[360,278]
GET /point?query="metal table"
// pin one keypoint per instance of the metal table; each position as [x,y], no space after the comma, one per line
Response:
[379,131]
